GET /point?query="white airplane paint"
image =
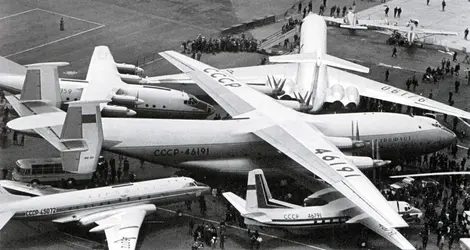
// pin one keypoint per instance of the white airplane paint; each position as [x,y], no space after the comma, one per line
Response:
[260,209]
[118,210]
[126,99]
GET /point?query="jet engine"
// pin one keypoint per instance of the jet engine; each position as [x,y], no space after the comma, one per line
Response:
[117,111]
[126,100]
[125,68]
[133,79]
[348,97]
[351,97]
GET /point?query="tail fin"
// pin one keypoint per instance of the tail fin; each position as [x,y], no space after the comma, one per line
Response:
[83,130]
[42,83]
[10,67]
[257,193]
[319,59]
[6,197]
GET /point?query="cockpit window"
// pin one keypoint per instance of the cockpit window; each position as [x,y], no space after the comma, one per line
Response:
[192,101]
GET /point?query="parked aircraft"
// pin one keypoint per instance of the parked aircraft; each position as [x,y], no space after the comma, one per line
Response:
[311,78]
[352,22]
[225,146]
[126,99]
[413,33]
[284,129]
[261,209]
[118,210]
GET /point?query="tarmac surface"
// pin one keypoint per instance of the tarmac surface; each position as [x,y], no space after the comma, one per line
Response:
[455,18]
[134,29]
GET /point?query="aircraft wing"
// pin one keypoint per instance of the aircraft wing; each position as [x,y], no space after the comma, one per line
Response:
[430,174]
[377,90]
[237,202]
[285,130]
[390,27]
[435,32]
[103,76]
[122,229]
[31,189]
[334,19]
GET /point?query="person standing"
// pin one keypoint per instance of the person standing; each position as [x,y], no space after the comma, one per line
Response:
[394,52]
[125,170]
[15,138]
[457,85]
[22,140]
[427,2]
[443,5]
[119,173]
[5,173]
[61,24]
[300,7]
[454,58]
[465,34]
[310,6]
[395,11]
[387,9]
[399,12]
[387,74]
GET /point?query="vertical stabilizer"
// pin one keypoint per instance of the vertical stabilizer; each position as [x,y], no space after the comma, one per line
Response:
[82,124]
[42,83]
[258,194]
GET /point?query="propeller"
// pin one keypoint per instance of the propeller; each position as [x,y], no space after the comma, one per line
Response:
[304,101]
[276,85]
[376,155]
[356,138]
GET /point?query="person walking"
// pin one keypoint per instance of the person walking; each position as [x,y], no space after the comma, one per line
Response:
[427,2]
[394,52]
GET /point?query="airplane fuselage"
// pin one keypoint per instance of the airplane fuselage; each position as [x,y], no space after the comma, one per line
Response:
[224,145]
[311,77]
[159,102]
[77,203]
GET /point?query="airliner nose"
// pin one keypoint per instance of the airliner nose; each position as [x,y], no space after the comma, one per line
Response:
[448,135]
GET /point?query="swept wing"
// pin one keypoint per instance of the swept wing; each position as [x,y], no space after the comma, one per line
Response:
[285,130]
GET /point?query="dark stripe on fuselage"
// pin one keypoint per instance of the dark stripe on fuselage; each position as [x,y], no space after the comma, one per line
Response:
[88,118]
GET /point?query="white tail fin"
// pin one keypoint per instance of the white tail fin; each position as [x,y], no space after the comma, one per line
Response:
[42,83]
[319,59]
[82,129]
[257,193]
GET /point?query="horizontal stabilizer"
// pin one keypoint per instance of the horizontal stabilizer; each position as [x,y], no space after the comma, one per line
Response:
[237,202]
[74,145]
[47,64]
[324,59]
[353,27]
[37,121]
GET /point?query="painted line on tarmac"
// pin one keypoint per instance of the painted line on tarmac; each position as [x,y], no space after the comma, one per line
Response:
[72,17]
[460,146]
[17,14]
[55,41]
[242,229]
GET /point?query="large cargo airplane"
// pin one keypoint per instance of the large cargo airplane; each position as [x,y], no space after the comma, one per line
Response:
[225,146]
[126,99]
[261,209]
[117,210]
[312,78]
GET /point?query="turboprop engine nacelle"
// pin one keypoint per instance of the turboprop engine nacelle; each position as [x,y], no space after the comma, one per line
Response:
[117,111]
[125,68]
[346,143]
[133,79]
[363,162]
[126,100]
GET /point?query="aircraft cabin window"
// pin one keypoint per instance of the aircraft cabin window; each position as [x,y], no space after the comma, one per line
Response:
[146,105]
[185,102]
[67,99]
[153,106]
[75,99]
[164,106]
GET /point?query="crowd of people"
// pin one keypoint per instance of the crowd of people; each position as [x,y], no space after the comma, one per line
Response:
[228,43]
